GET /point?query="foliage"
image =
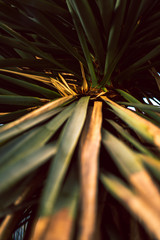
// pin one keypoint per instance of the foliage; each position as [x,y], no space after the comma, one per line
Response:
[76,162]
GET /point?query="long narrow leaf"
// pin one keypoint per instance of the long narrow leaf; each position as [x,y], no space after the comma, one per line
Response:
[115,31]
[90,27]
[138,104]
[134,203]
[131,139]
[24,101]
[145,128]
[20,125]
[30,86]
[152,163]
[84,45]
[131,167]
[18,170]
[67,144]
[32,48]
[32,140]
[63,216]
[88,156]
[56,34]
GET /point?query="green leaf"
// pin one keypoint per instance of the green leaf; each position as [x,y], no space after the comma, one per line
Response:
[20,169]
[142,126]
[59,166]
[135,204]
[56,35]
[115,31]
[152,163]
[106,9]
[31,47]
[64,214]
[29,86]
[143,60]
[6,92]
[11,42]
[11,116]
[45,6]
[24,101]
[30,141]
[143,107]
[128,162]
[133,15]
[31,119]
[130,138]
[16,62]
[28,75]
[90,27]
[84,45]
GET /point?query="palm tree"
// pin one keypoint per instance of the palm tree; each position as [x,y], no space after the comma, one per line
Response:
[79,146]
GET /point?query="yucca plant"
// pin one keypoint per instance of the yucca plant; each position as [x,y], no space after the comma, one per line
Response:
[75,161]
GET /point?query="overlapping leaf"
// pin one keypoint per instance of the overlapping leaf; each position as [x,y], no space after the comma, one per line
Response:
[80,50]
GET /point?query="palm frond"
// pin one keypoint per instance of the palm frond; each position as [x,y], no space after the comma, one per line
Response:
[71,71]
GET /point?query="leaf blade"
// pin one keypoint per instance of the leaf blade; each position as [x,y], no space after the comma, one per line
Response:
[68,141]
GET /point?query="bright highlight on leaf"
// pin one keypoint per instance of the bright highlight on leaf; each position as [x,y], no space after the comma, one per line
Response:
[79,115]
